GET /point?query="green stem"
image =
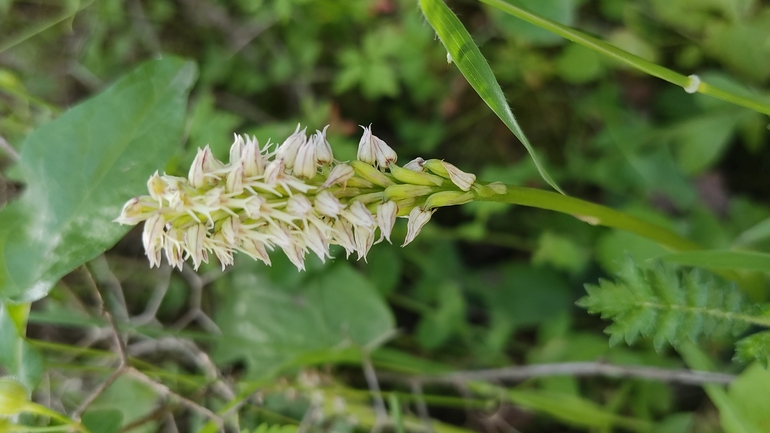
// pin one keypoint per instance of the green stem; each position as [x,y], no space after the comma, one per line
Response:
[42,410]
[627,58]
[593,214]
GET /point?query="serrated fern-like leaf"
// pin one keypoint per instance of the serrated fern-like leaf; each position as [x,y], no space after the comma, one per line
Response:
[755,346]
[657,302]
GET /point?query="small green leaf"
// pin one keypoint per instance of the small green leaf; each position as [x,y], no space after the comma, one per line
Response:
[469,60]
[270,326]
[81,168]
[17,356]
[721,259]
[754,347]
[103,421]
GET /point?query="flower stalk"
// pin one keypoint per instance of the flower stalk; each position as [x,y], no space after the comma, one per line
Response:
[295,197]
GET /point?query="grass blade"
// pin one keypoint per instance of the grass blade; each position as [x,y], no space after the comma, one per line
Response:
[469,60]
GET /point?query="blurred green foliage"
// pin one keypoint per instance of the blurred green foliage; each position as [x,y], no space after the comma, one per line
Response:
[485,286]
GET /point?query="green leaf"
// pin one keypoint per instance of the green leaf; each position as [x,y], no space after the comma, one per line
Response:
[658,303]
[574,410]
[469,60]
[730,416]
[271,327]
[17,356]
[721,259]
[129,398]
[81,168]
[103,421]
[749,395]
[754,347]
[702,140]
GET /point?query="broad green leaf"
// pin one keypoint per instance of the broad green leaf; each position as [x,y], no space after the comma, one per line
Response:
[469,60]
[749,394]
[17,356]
[129,398]
[81,168]
[721,259]
[701,140]
[103,421]
[269,326]
[730,414]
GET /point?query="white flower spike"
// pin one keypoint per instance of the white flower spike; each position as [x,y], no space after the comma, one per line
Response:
[297,198]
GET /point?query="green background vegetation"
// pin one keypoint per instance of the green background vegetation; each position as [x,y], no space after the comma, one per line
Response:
[485,285]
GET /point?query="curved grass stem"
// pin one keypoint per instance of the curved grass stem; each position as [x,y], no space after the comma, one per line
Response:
[690,84]
[593,214]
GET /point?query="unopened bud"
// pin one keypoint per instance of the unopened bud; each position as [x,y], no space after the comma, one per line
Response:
[288,150]
[463,180]
[305,165]
[323,150]
[448,198]
[253,161]
[398,192]
[414,177]
[371,174]
[13,397]
[328,205]
[339,174]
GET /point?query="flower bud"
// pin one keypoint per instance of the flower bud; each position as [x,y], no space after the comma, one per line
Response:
[364,240]
[343,235]
[255,249]
[136,210]
[323,150]
[415,165]
[153,231]
[371,174]
[327,204]
[204,164]
[156,187]
[299,205]
[230,229]
[359,215]
[236,150]
[386,218]
[417,219]
[287,151]
[253,161]
[235,179]
[463,180]
[13,397]
[341,173]
[195,237]
[317,242]
[448,198]
[305,165]
[414,177]
[273,172]
[372,150]
[173,244]
[398,192]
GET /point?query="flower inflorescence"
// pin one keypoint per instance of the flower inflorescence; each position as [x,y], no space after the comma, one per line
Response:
[294,196]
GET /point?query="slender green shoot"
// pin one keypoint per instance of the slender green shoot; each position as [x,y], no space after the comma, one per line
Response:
[691,84]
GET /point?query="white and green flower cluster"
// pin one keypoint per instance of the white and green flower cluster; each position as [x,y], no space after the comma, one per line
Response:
[294,196]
